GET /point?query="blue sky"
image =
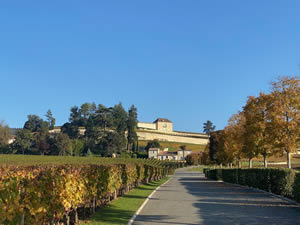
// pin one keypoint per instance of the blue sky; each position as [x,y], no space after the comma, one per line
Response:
[188,61]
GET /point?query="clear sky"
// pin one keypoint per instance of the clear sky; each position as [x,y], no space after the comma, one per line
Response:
[185,60]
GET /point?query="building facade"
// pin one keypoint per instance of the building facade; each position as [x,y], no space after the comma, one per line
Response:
[162,130]
[156,153]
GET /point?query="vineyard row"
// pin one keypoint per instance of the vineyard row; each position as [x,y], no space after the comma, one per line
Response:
[55,194]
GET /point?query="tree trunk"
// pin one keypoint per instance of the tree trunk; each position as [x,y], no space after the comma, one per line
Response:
[128,147]
[239,164]
[76,216]
[231,165]
[288,156]
[68,219]
[250,163]
[221,165]
[265,161]
[94,204]
[22,222]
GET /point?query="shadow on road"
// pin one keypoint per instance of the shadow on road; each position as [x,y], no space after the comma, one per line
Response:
[221,203]
[159,219]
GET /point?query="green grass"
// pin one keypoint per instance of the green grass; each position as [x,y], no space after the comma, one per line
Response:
[29,160]
[121,210]
[197,169]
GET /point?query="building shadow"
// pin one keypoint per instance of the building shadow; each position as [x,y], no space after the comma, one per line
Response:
[222,203]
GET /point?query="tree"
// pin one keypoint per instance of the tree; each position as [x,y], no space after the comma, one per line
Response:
[249,149]
[152,144]
[258,127]
[71,130]
[102,118]
[34,123]
[77,147]
[205,156]
[110,144]
[42,142]
[98,124]
[183,148]
[208,127]
[85,111]
[50,119]
[4,134]
[4,138]
[220,156]
[131,127]
[216,147]
[120,118]
[63,144]
[75,116]
[285,114]
[194,158]
[23,141]
[234,138]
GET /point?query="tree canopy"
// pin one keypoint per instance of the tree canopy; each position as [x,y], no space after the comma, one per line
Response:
[208,127]
[269,124]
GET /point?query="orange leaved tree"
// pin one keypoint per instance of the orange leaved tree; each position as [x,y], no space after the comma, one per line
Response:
[257,124]
[234,137]
[285,114]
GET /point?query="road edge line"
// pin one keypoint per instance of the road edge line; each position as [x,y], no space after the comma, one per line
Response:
[145,202]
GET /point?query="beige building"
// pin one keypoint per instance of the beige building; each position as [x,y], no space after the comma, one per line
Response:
[156,153]
[57,130]
[162,130]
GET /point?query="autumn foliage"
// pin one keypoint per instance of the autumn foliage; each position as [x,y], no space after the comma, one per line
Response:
[49,194]
[267,125]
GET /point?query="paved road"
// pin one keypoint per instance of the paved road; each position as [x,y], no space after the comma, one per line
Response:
[188,198]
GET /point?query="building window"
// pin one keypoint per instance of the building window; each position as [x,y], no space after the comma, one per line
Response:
[165,126]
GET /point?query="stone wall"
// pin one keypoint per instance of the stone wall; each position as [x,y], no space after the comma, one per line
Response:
[147,125]
[172,137]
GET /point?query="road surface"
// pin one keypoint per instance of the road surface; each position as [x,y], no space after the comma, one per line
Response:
[188,198]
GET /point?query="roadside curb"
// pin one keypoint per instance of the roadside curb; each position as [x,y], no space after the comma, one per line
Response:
[145,202]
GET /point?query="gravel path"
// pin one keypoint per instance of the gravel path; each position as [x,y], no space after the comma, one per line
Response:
[188,198]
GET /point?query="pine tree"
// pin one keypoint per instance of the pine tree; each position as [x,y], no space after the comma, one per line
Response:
[208,127]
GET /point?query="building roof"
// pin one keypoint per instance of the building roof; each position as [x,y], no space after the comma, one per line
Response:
[162,120]
[153,149]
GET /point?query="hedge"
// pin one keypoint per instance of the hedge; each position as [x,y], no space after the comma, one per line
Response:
[285,182]
[296,189]
[52,194]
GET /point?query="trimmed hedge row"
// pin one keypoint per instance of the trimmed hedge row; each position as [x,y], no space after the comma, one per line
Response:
[55,194]
[296,189]
[285,182]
